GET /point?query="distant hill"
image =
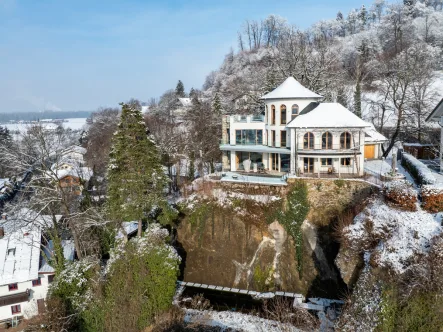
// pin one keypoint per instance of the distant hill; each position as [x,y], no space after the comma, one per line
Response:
[33,116]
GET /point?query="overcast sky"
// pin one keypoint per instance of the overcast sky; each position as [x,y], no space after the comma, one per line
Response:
[81,54]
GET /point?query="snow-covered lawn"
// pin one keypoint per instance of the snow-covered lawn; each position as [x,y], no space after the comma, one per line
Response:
[401,235]
[377,167]
[227,320]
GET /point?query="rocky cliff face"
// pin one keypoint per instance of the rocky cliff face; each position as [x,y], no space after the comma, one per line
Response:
[231,238]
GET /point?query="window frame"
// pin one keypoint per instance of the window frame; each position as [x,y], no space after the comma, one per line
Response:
[13,287]
[345,161]
[294,107]
[242,139]
[308,138]
[51,276]
[16,309]
[37,282]
[345,140]
[283,139]
[283,109]
[325,162]
[272,114]
[326,141]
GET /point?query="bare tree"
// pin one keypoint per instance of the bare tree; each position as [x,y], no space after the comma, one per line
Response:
[46,191]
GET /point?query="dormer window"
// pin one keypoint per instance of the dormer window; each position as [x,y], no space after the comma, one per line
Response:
[294,111]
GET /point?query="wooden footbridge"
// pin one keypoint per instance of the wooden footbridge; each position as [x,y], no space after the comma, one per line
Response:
[317,304]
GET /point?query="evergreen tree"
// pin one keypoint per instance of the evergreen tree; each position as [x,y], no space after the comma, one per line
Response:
[340,16]
[192,93]
[180,90]
[5,143]
[136,178]
[271,80]
[191,170]
[363,16]
[216,105]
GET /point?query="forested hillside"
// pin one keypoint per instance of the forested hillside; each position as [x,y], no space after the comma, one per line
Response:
[383,63]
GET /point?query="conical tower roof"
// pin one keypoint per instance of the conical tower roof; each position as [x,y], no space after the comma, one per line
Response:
[291,89]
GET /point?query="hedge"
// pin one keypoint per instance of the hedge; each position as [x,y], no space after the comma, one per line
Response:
[421,173]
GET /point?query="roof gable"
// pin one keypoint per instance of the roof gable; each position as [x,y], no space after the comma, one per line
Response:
[291,88]
[437,113]
[328,115]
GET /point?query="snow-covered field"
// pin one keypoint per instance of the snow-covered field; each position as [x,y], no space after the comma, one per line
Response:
[228,320]
[73,123]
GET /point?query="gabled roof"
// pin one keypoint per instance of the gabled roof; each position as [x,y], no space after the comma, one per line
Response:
[20,246]
[68,253]
[373,136]
[291,89]
[437,113]
[328,115]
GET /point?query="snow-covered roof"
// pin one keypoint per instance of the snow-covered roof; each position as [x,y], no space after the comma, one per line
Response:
[74,148]
[20,246]
[84,173]
[328,115]
[437,113]
[291,89]
[186,102]
[373,136]
[129,226]
[68,253]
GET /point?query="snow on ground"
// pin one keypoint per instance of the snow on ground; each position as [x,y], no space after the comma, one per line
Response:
[234,320]
[402,234]
[73,123]
[377,167]
[226,197]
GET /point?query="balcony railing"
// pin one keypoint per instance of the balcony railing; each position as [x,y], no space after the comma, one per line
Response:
[336,147]
[249,118]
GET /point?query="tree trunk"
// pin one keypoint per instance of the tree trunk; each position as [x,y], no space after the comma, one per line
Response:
[394,136]
[139,232]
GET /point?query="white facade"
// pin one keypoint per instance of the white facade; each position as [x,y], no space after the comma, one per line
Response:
[298,135]
[28,308]
[24,273]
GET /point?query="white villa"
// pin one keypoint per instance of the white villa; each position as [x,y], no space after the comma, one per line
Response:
[299,135]
[437,116]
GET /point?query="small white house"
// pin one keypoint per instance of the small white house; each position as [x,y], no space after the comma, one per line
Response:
[298,134]
[24,274]
[437,116]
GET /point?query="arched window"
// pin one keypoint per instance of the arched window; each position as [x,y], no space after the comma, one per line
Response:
[345,140]
[326,141]
[294,111]
[272,115]
[283,114]
[308,141]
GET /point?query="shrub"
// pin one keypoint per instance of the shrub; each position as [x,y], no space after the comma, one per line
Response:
[402,194]
[292,219]
[432,196]
[421,173]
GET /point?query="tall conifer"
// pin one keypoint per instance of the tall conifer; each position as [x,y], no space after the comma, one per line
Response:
[136,178]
